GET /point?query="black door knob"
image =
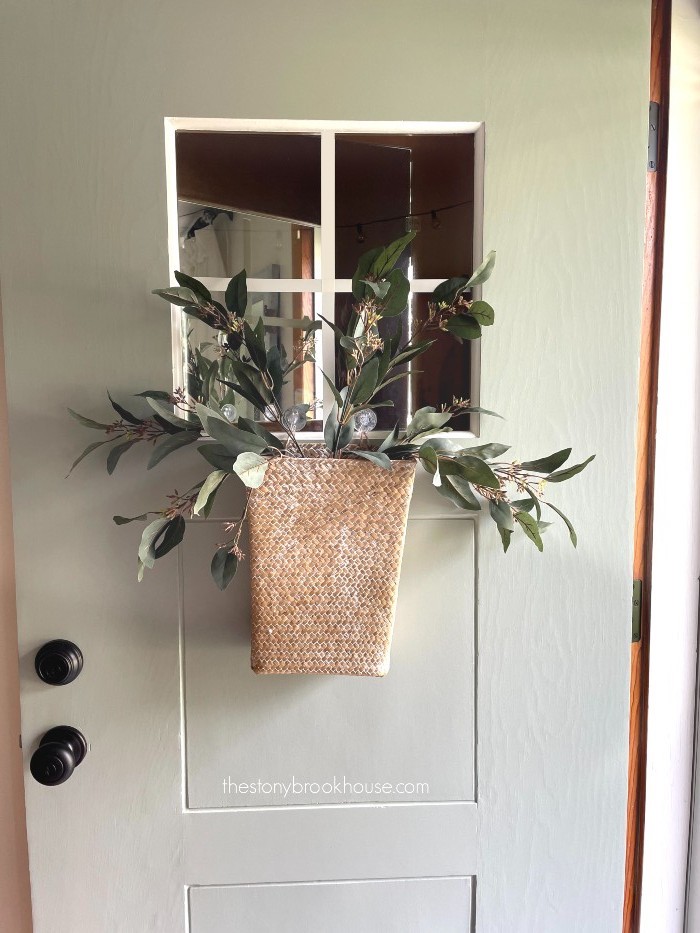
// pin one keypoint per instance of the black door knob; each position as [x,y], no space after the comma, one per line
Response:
[58,662]
[60,752]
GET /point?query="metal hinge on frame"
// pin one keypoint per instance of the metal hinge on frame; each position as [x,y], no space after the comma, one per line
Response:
[636,610]
[653,146]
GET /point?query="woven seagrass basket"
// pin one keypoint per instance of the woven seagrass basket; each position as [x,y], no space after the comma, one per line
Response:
[326,541]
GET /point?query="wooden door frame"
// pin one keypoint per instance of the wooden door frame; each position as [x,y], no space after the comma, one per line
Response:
[659,81]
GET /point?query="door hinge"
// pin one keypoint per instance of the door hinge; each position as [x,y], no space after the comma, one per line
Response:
[636,610]
[653,146]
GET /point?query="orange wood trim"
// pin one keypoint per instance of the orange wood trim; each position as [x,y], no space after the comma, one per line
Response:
[644,492]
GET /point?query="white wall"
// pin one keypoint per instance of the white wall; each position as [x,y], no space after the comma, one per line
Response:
[562,88]
[676,559]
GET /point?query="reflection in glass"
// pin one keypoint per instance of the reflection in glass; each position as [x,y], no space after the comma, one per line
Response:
[249,200]
[385,186]
[253,201]
[390,183]
[216,242]
[278,313]
[398,393]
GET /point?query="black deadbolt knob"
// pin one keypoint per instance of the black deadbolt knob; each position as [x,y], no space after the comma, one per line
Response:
[60,752]
[58,662]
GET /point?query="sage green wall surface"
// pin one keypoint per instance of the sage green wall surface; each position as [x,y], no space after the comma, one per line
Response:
[562,87]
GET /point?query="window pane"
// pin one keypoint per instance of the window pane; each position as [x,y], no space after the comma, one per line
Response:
[444,372]
[381,180]
[278,313]
[249,200]
[398,393]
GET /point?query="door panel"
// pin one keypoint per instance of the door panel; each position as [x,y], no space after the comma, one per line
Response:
[280,740]
[331,843]
[83,240]
[395,906]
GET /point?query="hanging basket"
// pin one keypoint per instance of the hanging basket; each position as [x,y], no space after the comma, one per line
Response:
[326,541]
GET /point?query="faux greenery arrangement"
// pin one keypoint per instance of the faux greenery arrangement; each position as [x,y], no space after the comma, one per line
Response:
[375,354]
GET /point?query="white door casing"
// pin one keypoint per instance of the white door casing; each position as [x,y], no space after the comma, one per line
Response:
[84,238]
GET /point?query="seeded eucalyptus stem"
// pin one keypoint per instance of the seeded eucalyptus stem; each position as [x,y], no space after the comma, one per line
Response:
[470,477]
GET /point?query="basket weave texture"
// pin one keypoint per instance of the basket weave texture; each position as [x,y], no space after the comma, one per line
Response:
[326,541]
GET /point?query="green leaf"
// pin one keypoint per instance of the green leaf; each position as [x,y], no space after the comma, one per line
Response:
[173,533]
[459,492]
[483,272]
[88,450]
[502,514]
[334,327]
[330,428]
[255,346]
[151,533]
[359,289]
[274,367]
[87,422]
[251,380]
[332,386]
[386,260]
[536,504]
[464,326]
[256,428]
[526,505]
[529,526]
[233,439]
[379,289]
[572,532]
[194,285]
[251,469]
[475,410]
[407,355]
[166,412]
[387,382]
[154,393]
[506,535]
[485,451]
[426,419]
[218,456]
[396,298]
[366,382]
[236,296]
[428,458]
[247,393]
[121,520]
[401,451]
[482,312]
[447,291]
[124,413]
[374,456]
[390,439]
[223,567]
[208,491]
[116,452]
[562,475]
[182,297]
[205,412]
[335,435]
[547,464]
[475,470]
[170,445]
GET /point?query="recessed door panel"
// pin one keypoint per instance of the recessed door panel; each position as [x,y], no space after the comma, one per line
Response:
[429,905]
[256,740]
